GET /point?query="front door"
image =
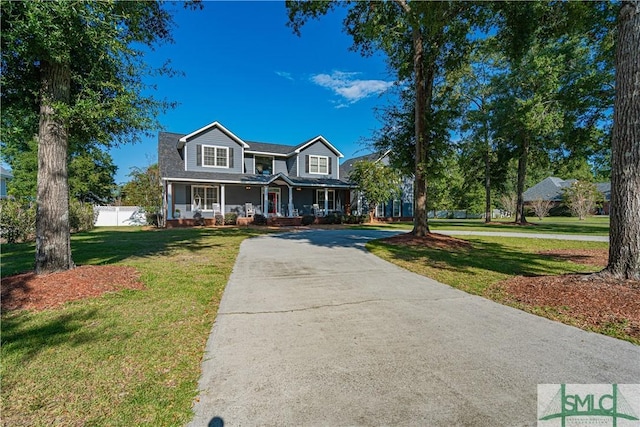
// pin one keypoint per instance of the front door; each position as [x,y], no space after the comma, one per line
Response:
[274,201]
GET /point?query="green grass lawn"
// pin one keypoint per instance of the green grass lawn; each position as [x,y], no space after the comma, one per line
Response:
[126,358]
[595,225]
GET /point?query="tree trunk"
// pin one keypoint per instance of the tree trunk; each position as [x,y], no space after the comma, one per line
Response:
[522,173]
[420,224]
[624,234]
[487,182]
[53,242]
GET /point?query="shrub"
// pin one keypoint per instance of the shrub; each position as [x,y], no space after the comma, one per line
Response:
[81,216]
[230,218]
[355,219]
[333,219]
[17,220]
[218,219]
[259,219]
[308,219]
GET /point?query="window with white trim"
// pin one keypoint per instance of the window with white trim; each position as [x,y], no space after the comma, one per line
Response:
[204,198]
[331,196]
[213,156]
[319,165]
[396,208]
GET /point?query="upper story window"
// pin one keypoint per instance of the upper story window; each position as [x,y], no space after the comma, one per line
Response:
[319,165]
[215,156]
[264,165]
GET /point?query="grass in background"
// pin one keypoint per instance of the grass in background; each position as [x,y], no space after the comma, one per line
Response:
[126,358]
[595,225]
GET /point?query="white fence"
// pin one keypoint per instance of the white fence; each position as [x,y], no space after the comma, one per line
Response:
[115,216]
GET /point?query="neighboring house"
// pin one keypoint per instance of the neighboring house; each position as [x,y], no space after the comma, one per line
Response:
[5,175]
[212,171]
[399,207]
[552,189]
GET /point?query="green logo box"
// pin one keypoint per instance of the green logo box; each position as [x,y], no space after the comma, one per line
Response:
[577,405]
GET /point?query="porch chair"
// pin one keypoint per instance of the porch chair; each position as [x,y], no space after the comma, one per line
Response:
[317,211]
[249,211]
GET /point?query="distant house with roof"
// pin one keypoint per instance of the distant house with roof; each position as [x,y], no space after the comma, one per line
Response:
[5,175]
[400,207]
[211,171]
[552,189]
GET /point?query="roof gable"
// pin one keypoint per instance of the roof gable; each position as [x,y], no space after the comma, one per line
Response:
[182,141]
[312,141]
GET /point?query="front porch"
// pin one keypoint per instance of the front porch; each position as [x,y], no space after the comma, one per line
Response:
[200,201]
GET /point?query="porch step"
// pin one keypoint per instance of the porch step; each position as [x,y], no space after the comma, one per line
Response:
[285,221]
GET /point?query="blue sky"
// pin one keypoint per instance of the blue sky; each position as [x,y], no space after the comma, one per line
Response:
[247,70]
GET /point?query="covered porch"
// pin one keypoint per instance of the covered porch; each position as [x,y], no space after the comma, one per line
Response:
[279,196]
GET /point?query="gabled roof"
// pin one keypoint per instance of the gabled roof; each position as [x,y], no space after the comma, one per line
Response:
[347,166]
[551,188]
[5,173]
[320,138]
[217,125]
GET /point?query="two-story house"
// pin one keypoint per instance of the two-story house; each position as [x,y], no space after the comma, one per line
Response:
[212,171]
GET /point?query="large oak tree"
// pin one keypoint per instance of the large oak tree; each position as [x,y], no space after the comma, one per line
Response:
[422,41]
[73,74]
[624,245]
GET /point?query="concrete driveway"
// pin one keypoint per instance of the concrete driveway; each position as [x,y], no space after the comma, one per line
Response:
[314,330]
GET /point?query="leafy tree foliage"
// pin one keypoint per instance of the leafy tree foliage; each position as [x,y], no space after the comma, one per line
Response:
[91,172]
[581,198]
[377,182]
[145,190]
[423,42]
[72,74]
[555,91]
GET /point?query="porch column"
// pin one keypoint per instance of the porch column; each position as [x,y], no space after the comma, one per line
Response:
[265,201]
[168,201]
[290,200]
[326,201]
[222,198]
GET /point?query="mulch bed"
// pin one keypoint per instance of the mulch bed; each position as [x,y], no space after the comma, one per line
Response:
[29,291]
[432,240]
[594,300]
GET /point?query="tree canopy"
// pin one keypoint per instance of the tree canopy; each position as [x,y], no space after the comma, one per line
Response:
[73,73]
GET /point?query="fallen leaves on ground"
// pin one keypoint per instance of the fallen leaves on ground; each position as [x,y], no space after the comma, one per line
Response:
[29,291]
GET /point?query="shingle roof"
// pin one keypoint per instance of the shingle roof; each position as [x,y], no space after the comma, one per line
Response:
[5,173]
[270,148]
[347,166]
[551,188]
[171,165]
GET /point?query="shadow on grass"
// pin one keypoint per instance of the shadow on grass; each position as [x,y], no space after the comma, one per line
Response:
[545,226]
[111,245]
[338,238]
[24,337]
[488,256]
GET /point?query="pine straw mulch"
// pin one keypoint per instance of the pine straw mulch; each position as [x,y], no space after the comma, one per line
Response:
[589,301]
[28,291]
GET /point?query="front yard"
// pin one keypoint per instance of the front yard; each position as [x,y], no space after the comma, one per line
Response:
[130,357]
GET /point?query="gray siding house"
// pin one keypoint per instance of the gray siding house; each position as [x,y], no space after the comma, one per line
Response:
[212,171]
[400,207]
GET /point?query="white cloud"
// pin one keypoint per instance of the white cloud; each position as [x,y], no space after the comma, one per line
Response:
[285,75]
[349,87]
